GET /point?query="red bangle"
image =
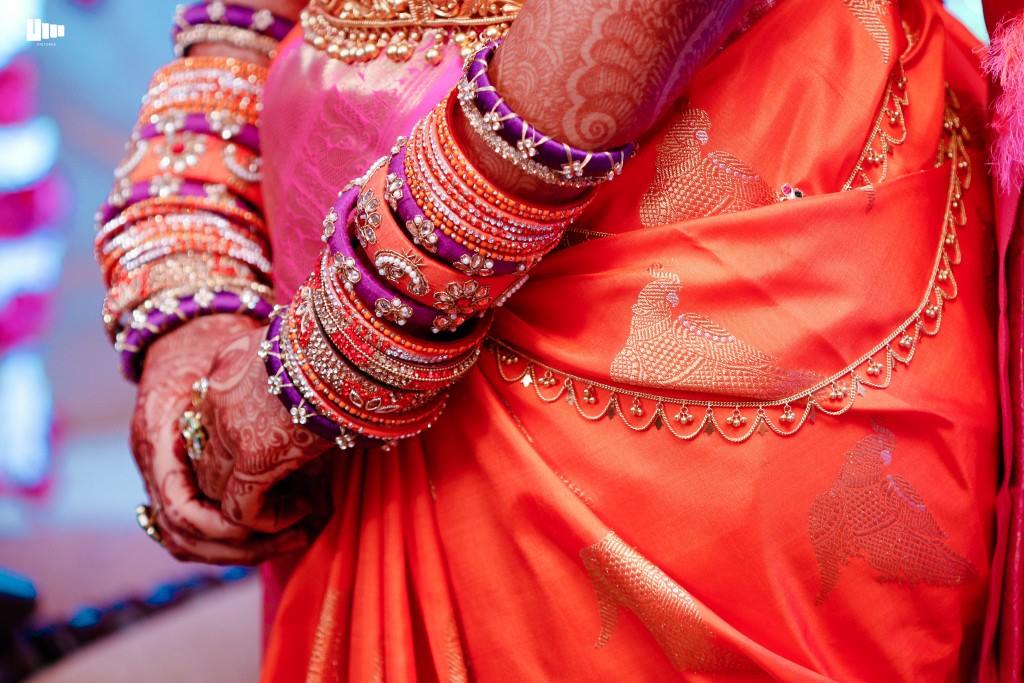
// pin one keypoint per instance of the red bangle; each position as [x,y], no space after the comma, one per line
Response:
[348,332]
[329,404]
[158,206]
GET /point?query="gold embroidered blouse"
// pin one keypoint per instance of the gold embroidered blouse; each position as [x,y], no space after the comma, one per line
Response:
[362,30]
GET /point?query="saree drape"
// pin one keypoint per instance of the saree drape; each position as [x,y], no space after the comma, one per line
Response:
[728,432]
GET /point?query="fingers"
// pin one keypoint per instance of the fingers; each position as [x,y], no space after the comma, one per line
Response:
[251,430]
[186,512]
[255,549]
[176,491]
[253,505]
[213,469]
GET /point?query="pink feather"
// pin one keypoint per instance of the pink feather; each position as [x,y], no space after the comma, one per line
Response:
[1004,62]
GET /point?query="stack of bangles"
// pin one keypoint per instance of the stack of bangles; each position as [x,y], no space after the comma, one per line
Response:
[182,233]
[419,251]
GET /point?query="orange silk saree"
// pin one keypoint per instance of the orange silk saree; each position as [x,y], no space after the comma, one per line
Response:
[726,432]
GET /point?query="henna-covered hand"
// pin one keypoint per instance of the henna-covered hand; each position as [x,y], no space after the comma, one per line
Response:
[598,73]
[261,467]
[192,527]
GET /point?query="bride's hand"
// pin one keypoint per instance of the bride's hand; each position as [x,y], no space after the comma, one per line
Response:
[190,526]
[262,468]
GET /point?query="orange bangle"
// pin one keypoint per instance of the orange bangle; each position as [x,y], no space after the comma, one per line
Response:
[344,328]
[399,261]
[168,273]
[325,400]
[489,220]
[404,396]
[121,267]
[157,206]
[201,157]
[154,230]
[253,73]
[462,236]
[382,336]
[456,157]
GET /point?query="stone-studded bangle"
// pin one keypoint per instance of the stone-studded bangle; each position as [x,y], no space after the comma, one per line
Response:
[175,275]
[171,192]
[334,378]
[353,205]
[464,213]
[346,332]
[424,278]
[280,384]
[229,35]
[381,339]
[261,21]
[219,122]
[170,313]
[434,238]
[298,398]
[453,153]
[570,163]
[197,157]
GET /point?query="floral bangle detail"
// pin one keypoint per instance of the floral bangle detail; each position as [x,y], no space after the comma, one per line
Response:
[164,314]
[570,164]
[261,21]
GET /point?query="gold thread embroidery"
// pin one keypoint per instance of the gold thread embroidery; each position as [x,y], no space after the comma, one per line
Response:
[363,30]
[692,183]
[869,14]
[321,665]
[625,579]
[690,351]
[455,655]
[879,517]
[888,132]
[737,421]
[378,666]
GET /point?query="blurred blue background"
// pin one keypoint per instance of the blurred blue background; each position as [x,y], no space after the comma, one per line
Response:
[67,484]
[68,487]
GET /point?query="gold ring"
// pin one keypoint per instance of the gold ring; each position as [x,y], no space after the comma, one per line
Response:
[193,432]
[146,519]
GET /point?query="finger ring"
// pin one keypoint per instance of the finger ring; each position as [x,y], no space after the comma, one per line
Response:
[147,522]
[193,432]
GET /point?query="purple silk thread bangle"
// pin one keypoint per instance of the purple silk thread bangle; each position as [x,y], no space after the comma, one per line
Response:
[512,128]
[289,394]
[137,340]
[247,136]
[447,249]
[143,190]
[369,288]
[267,24]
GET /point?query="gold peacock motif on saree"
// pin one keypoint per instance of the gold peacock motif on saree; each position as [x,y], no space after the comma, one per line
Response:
[689,351]
[692,182]
[880,517]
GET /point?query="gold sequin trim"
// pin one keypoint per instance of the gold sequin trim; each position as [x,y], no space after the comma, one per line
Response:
[737,421]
